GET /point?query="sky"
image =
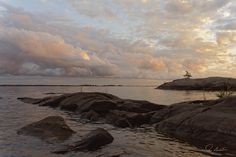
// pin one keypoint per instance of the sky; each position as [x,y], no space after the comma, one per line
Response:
[118,38]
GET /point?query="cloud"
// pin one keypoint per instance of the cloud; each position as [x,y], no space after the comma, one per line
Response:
[226,38]
[93,9]
[125,38]
[42,53]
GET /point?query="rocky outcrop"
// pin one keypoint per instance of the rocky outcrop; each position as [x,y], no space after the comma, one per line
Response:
[102,106]
[200,122]
[49,127]
[90,142]
[207,84]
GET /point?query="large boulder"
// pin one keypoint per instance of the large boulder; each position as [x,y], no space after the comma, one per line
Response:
[90,142]
[47,128]
[201,123]
[206,84]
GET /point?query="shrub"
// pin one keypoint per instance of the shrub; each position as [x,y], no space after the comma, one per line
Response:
[223,94]
[226,92]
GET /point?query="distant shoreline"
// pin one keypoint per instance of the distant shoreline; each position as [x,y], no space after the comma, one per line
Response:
[85,85]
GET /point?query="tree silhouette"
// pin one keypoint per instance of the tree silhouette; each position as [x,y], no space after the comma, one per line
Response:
[187,74]
[226,91]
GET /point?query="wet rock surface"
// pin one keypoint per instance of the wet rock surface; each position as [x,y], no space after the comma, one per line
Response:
[128,119]
[47,128]
[197,122]
[207,84]
[102,106]
[90,142]
[200,123]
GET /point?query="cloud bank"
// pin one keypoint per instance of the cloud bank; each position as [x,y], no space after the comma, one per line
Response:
[125,38]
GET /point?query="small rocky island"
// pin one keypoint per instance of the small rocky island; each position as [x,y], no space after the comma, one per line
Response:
[197,122]
[206,84]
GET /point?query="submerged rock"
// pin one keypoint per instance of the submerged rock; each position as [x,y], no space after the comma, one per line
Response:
[90,142]
[207,84]
[49,127]
[200,123]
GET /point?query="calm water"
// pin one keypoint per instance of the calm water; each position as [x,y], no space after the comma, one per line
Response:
[134,142]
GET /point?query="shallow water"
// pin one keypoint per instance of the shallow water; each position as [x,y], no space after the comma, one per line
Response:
[129,142]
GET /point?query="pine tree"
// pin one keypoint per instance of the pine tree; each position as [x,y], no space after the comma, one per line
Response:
[187,74]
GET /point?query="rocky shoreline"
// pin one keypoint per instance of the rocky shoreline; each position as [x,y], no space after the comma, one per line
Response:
[102,106]
[197,122]
[205,84]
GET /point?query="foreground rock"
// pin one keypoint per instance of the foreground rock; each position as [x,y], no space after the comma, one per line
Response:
[47,128]
[208,84]
[102,106]
[200,122]
[90,142]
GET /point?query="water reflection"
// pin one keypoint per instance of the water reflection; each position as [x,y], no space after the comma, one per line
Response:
[129,142]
